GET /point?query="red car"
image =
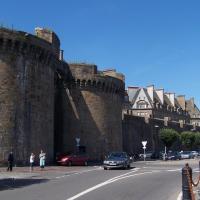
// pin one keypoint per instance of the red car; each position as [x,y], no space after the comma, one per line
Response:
[72,160]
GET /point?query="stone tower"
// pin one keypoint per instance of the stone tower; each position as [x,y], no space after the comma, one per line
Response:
[48,104]
[93,112]
[27,67]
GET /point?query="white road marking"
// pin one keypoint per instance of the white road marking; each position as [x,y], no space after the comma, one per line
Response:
[173,170]
[106,183]
[135,169]
[77,173]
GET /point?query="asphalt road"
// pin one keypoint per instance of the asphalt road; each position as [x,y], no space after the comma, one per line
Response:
[155,180]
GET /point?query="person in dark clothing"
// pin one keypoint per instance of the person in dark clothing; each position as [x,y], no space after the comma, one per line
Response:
[10,161]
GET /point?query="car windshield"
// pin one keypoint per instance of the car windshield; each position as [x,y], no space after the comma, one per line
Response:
[186,152]
[118,155]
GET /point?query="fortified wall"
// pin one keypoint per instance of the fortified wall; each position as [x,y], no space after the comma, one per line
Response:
[27,66]
[138,129]
[93,105]
[48,104]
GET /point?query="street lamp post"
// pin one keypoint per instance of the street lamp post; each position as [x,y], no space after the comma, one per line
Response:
[144,153]
[144,143]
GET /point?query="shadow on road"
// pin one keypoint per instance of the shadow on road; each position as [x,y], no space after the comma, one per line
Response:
[11,183]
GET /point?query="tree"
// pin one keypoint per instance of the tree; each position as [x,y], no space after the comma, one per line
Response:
[168,136]
[188,139]
[197,139]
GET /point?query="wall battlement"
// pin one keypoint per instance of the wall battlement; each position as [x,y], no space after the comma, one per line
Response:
[18,42]
[86,76]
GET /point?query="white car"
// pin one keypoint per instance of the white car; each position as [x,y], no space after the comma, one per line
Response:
[186,155]
[194,153]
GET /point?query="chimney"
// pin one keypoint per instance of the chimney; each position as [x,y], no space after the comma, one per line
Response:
[160,93]
[131,91]
[192,101]
[150,90]
[181,101]
[171,97]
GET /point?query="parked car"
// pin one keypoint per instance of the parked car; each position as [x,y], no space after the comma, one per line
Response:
[69,160]
[148,154]
[117,160]
[195,154]
[173,156]
[186,155]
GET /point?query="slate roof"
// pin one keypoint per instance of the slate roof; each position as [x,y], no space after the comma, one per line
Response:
[167,101]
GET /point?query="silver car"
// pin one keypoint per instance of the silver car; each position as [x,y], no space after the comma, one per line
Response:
[117,160]
[186,155]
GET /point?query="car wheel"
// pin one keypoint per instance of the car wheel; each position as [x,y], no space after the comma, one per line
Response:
[125,166]
[105,168]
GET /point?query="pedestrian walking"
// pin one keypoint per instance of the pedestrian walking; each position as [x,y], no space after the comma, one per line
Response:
[42,158]
[10,161]
[32,160]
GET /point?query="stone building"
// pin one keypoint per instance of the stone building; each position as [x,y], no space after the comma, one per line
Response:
[191,108]
[156,104]
[147,110]
[46,103]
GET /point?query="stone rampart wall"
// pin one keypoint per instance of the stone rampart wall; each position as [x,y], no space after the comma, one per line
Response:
[93,106]
[27,66]
[137,129]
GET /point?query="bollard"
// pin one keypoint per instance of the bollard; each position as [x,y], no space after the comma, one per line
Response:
[185,183]
[199,166]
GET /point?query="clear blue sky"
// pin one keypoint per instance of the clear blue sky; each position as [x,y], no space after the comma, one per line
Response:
[150,41]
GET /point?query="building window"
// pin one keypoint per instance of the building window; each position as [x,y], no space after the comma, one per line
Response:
[142,104]
[142,114]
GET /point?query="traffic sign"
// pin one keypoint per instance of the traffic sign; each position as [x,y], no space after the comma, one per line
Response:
[144,143]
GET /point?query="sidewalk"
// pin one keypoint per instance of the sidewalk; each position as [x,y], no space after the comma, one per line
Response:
[21,176]
[24,172]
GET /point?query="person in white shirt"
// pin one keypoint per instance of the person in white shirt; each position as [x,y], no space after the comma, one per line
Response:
[42,158]
[32,159]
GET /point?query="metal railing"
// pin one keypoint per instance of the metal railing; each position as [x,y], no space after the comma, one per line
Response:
[188,183]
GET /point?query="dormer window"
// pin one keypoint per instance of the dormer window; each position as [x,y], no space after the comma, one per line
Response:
[142,104]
